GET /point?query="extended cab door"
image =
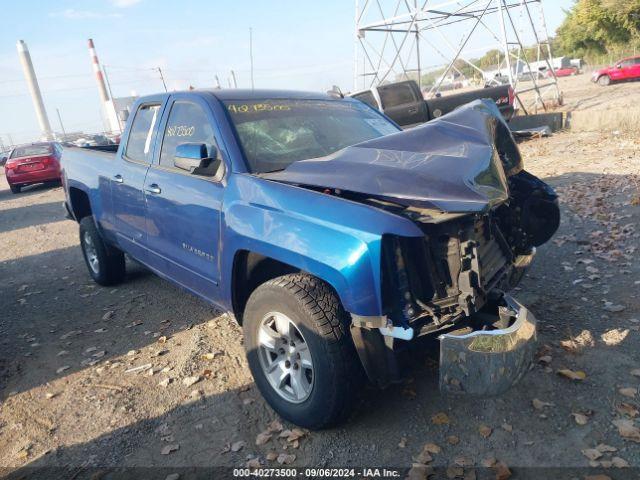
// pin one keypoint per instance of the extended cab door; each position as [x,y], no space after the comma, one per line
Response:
[128,180]
[183,209]
[403,103]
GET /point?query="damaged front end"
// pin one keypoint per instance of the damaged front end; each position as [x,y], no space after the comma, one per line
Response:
[455,268]
[451,283]
[461,180]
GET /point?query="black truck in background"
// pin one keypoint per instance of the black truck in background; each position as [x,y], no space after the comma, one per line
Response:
[403,101]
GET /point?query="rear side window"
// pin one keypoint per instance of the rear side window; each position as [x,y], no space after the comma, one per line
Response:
[32,151]
[396,95]
[368,98]
[139,144]
[188,123]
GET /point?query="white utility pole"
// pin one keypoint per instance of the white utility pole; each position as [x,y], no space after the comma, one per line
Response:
[34,89]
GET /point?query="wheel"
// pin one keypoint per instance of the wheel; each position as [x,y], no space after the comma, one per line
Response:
[15,188]
[105,263]
[300,352]
[604,80]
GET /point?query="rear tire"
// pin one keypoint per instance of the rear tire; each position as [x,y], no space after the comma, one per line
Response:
[319,389]
[604,81]
[15,188]
[105,263]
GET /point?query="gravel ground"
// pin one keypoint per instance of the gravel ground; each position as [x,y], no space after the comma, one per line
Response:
[147,375]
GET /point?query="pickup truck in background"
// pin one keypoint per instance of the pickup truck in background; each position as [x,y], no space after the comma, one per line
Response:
[623,70]
[404,103]
[331,235]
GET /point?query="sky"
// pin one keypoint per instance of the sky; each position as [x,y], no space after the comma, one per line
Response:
[303,45]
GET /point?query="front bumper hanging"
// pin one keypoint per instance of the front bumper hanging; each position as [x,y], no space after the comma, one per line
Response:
[489,362]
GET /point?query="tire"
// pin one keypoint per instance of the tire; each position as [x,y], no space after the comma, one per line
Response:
[604,80]
[15,188]
[105,263]
[320,322]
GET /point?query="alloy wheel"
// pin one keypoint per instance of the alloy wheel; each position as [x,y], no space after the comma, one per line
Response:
[285,357]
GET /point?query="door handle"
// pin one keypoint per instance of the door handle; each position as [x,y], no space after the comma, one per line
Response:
[413,110]
[118,178]
[153,188]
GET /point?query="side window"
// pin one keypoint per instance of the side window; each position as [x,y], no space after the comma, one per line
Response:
[626,63]
[396,95]
[368,98]
[141,134]
[188,123]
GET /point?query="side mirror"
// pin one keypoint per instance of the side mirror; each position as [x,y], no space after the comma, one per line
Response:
[619,65]
[194,156]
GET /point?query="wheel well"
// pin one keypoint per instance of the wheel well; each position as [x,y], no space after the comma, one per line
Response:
[249,271]
[80,204]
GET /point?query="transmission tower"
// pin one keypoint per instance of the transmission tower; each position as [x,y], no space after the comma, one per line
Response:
[404,39]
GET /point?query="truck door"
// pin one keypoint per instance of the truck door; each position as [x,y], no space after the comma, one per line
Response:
[183,208]
[128,181]
[402,103]
[622,70]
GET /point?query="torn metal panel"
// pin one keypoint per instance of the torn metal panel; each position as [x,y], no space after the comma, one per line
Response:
[489,362]
[456,163]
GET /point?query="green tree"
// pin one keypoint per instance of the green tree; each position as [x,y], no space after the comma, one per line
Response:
[599,26]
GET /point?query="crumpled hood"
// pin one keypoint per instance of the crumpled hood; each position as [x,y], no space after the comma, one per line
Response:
[450,163]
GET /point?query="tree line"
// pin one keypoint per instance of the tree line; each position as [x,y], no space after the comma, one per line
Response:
[597,27]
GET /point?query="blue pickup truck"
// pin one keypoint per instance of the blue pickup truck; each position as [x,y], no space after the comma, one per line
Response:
[335,238]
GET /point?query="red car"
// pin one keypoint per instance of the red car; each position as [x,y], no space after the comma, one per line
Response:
[564,72]
[35,163]
[626,69]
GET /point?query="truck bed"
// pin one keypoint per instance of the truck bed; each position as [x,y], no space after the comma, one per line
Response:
[439,106]
[86,166]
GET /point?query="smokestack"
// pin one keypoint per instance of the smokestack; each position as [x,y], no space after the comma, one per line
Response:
[34,89]
[104,96]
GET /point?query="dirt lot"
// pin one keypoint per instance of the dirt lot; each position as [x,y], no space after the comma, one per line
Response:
[101,377]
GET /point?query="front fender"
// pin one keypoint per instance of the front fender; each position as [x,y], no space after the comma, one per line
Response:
[331,238]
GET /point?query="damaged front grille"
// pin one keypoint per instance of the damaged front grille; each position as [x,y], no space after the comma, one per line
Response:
[448,273]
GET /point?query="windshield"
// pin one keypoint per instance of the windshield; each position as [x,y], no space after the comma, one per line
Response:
[276,133]
[31,151]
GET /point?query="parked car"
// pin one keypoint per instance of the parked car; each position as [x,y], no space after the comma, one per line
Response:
[331,235]
[93,141]
[626,69]
[403,102]
[31,164]
[563,72]
[531,76]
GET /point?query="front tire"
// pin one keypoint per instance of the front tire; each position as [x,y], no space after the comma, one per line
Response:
[300,352]
[105,263]
[604,81]
[15,188]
